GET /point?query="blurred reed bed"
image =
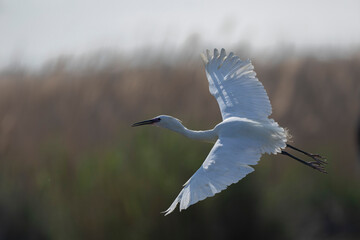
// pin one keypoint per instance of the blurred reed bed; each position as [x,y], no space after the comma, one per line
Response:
[71,167]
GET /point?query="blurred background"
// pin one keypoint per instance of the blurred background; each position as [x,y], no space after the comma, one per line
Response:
[74,76]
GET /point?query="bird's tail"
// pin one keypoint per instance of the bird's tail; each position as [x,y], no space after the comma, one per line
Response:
[288,135]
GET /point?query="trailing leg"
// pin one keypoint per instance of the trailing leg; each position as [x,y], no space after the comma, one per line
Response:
[316,157]
[316,165]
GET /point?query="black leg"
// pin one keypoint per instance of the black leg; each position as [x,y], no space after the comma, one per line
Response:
[316,165]
[316,157]
[292,156]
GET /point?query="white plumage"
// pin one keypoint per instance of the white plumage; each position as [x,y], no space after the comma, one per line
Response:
[240,139]
[234,85]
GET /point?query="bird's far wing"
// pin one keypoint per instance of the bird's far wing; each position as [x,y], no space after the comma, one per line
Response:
[234,85]
[227,163]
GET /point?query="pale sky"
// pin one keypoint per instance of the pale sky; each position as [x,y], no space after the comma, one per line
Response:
[33,31]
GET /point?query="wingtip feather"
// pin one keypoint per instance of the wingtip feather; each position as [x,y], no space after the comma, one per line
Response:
[208,54]
[171,208]
[174,204]
[222,53]
[204,58]
[216,53]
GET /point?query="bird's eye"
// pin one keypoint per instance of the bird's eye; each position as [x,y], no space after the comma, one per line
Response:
[158,119]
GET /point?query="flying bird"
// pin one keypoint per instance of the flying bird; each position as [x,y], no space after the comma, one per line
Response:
[245,133]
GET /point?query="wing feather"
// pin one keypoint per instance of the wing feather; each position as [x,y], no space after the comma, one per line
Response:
[234,84]
[227,163]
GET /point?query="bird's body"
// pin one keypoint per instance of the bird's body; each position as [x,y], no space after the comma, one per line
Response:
[240,139]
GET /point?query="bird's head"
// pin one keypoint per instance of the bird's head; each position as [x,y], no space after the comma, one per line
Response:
[163,121]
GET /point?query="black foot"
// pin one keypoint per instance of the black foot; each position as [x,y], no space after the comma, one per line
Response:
[318,166]
[319,163]
[318,158]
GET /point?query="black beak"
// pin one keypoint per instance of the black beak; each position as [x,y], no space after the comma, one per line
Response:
[146,122]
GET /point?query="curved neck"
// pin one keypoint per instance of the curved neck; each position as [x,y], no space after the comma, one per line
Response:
[207,135]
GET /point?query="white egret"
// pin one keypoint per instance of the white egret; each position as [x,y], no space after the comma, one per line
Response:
[240,139]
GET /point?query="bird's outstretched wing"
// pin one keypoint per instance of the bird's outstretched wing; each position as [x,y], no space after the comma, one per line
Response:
[234,85]
[227,163]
